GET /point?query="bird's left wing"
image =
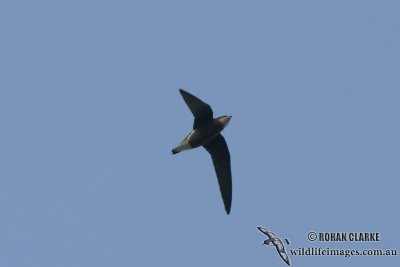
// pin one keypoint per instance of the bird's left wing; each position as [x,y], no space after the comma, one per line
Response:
[221,158]
[285,257]
[263,230]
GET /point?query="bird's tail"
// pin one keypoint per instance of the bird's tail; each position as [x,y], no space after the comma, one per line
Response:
[184,145]
[175,151]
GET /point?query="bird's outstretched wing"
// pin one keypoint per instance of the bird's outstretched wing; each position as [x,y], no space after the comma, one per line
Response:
[201,111]
[221,158]
[264,231]
[284,257]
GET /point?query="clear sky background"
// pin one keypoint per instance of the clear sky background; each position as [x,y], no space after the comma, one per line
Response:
[90,110]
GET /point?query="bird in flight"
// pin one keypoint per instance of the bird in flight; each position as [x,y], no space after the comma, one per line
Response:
[207,133]
[275,241]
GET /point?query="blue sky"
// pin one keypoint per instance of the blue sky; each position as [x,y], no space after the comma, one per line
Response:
[90,110]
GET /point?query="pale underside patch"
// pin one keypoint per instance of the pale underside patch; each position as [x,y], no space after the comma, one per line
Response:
[184,145]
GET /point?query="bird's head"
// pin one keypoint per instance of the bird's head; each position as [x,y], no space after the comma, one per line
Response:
[224,120]
[267,242]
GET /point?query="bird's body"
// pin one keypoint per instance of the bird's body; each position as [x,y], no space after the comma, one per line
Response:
[207,133]
[200,136]
[273,240]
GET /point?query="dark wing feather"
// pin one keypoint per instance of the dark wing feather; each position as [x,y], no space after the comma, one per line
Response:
[221,158]
[201,111]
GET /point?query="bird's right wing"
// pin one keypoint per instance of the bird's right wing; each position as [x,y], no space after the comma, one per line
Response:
[201,111]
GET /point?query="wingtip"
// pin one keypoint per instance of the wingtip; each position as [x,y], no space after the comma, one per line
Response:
[262,230]
[182,92]
[228,209]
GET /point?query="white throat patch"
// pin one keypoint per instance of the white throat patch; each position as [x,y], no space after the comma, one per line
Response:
[224,120]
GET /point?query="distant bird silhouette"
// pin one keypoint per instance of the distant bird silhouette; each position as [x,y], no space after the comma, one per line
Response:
[276,242]
[207,133]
